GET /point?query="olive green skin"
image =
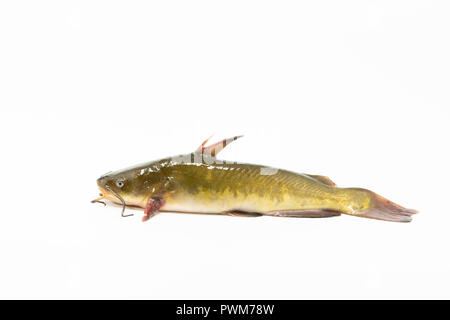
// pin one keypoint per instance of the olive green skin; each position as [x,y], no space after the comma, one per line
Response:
[200,183]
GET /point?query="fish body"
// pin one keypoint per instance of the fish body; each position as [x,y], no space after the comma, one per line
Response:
[200,183]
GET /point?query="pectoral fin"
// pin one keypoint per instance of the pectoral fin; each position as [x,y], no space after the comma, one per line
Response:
[154,204]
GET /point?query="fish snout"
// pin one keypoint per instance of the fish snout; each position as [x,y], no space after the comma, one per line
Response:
[103,195]
[101,181]
[102,184]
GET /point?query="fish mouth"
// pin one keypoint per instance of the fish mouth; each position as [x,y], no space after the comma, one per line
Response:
[98,200]
[110,194]
[103,194]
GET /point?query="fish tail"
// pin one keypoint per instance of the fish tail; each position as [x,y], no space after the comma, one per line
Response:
[381,208]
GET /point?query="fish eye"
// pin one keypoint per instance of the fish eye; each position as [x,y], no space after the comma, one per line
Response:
[119,183]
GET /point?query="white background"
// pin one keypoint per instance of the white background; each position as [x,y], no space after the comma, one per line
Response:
[356,90]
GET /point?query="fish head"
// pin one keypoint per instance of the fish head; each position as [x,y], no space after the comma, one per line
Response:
[111,185]
[132,185]
[121,184]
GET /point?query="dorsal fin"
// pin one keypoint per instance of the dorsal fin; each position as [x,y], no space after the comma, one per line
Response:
[323,179]
[215,148]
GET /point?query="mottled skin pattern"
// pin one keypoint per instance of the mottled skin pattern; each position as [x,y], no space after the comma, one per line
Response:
[204,184]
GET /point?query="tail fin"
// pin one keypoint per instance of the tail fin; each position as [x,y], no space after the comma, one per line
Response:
[384,209]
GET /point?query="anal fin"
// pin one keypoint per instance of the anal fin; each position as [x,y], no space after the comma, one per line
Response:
[239,213]
[319,213]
